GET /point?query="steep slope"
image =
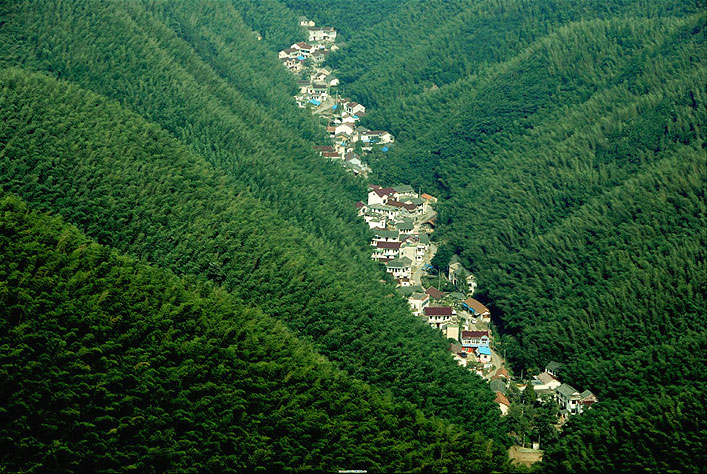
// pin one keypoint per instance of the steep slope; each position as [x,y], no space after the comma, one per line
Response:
[199,72]
[569,139]
[130,185]
[110,365]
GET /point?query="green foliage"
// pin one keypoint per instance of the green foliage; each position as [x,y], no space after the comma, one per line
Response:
[666,430]
[110,365]
[130,185]
[569,140]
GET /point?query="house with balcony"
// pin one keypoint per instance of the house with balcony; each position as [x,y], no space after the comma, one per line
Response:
[569,399]
[321,34]
[405,226]
[379,195]
[385,251]
[472,339]
[399,268]
[438,316]
[418,302]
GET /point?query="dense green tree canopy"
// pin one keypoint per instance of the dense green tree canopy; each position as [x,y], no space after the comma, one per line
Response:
[569,140]
[110,365]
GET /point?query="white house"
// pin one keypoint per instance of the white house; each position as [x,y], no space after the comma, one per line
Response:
[378,195]
[354,108]
[438,316]
[344,128]
[303,48]
[418,302]
[379,136]
[399,268]
[375,221]
[546,382]
[306,23]
[502,402]
[322,33]
[484,354]
[386,250]
[569,399]
[471,339]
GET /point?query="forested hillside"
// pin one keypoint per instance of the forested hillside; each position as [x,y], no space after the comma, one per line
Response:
[110,365]
[178,151]
[246,328]
[569,139]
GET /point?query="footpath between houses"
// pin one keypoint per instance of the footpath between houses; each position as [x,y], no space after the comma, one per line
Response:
[401,221]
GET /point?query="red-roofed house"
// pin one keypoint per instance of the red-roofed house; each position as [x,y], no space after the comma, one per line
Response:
[435,294]
[475,339]
[386,250]
[502,402]
[332,155]
[477,309]
[438,316]
[380,195]
[323,148]
[302,47]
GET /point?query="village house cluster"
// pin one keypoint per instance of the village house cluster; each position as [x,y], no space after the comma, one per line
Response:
[349,142]
[547,386]
[401,220]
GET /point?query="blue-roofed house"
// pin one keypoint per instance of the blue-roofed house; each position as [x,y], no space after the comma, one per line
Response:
[484,354]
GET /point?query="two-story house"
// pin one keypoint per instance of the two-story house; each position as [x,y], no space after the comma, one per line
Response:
[569,399]
[354,108]
[379,195]
[473,339]
[399,268]
[405,226]
[318,34]
[418,302]
[438,316]
[303,48]
[484,355]
[386,251]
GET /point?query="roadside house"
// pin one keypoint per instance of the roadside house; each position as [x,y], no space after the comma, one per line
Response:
[484,354]
[399,268]
[437,316]
[477,309]
[472,339]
